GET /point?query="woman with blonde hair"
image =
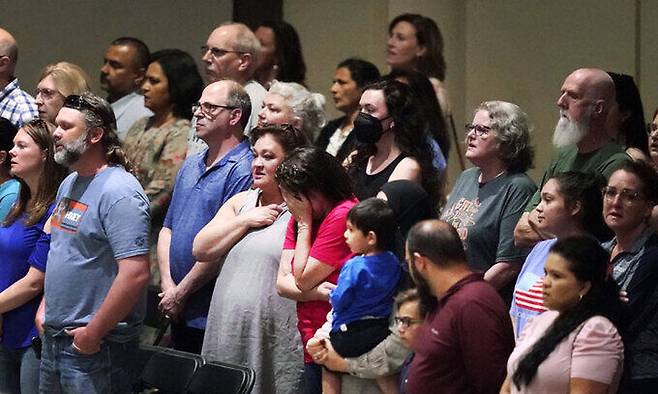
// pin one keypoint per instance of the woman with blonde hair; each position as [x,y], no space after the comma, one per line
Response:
[57,81]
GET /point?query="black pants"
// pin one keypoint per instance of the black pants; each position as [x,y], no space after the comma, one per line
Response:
[360,337]
[187,339]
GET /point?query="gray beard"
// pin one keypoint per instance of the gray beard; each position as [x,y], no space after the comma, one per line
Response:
[568,132]
[71,152]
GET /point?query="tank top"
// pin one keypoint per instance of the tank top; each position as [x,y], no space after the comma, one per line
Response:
[366,186]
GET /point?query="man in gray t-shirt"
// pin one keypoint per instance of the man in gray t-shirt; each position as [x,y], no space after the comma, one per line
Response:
[98,265]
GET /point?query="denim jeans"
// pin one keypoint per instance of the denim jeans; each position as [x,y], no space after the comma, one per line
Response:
[19,371]
[65,370]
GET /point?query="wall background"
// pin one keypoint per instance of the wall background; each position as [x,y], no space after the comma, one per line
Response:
[514,50]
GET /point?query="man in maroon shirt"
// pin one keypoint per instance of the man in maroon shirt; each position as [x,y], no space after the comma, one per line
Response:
[467,337]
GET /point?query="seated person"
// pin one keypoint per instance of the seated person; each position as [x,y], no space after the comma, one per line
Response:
[363,298]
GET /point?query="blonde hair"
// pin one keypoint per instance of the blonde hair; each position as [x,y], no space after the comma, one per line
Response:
[67,77]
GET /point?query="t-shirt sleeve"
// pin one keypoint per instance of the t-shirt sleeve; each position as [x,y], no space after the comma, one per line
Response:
[39,255]
[127,226]
[290,241]
[518,196]
[343,295]
[597,351]
[329,246]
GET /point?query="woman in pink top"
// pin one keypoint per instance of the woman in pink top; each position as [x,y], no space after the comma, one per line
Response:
[574,347]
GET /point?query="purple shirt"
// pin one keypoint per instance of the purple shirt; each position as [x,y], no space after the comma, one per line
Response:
[464,343]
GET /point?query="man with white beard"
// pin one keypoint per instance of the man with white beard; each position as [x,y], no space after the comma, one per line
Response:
[581,138]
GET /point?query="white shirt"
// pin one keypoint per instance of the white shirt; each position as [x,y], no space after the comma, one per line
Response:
[128,109]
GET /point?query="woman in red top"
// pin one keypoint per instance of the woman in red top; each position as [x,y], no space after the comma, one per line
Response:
[319,195]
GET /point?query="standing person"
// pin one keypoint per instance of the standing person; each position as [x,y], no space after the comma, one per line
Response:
[248,233]
[15,105]
[281,55]
[571,204]
[626,117]
[351,76]
[319,195]
[488,199]
[393,130]
[57,81]
[99,250]
[291,103]
[581,136]
[467,335]
[628,200]
[574,347]
[652,131]
[122,74]
[204,183]
[24,247]
[9,187]
[157,145]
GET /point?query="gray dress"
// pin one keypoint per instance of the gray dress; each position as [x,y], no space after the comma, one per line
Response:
[248,322]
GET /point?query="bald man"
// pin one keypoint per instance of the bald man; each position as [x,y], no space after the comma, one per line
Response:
[15,105]
[581,138]
[231,52]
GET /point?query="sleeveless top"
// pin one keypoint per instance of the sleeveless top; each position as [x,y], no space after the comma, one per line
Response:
[366,186]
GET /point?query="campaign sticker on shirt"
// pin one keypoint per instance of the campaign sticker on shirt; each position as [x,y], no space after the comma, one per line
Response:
[68,215]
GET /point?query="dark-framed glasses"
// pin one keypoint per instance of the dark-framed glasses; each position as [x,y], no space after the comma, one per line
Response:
[480,130]
[217,52]
[627,196]
[210,110]
[406,321]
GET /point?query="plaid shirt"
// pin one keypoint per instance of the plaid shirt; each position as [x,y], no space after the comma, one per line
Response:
[17,106]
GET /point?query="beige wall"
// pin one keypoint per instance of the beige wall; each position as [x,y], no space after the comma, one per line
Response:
[514,50]
[79,31]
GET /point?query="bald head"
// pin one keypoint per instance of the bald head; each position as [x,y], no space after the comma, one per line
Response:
[8,54]
[438,241]
[233,51]
[596,84]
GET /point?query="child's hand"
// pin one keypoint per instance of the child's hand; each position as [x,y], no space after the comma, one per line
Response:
[324,289]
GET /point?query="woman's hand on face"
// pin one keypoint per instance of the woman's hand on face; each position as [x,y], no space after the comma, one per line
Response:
[300,208]
[263,216]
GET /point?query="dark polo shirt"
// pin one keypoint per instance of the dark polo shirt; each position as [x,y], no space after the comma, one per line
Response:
[465,342]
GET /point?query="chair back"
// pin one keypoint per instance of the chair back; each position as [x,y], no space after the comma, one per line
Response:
[170,371]
[219,377]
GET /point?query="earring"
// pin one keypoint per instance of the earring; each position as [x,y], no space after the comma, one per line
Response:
[580,297]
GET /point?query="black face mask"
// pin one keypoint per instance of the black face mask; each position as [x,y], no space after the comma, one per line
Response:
[367,128]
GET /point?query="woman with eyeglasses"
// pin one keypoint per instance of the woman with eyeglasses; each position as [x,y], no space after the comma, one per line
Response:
[488,199]
[291,103]
[24,245]
[156,146]
[248,323]
[575,346]
[628,200]
[571,204]
[55,83]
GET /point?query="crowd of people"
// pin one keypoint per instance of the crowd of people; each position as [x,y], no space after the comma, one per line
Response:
[328,256]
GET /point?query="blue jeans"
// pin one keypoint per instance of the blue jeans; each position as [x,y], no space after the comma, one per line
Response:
[19,371]
[65,370]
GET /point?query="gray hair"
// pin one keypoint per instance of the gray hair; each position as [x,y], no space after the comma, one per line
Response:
[309,107]
[239,98]
[513,132]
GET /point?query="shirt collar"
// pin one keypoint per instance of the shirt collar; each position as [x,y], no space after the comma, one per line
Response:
[474,277]
[11,86]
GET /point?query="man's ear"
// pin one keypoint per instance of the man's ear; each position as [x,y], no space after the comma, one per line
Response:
[139,80]
[235,116]
[245,61]
[95,135]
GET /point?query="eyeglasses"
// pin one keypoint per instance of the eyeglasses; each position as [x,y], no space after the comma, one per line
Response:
[217,52]
[406,321]
[480,130]
[627,196]
[651,127]
[45,93]
[210,110]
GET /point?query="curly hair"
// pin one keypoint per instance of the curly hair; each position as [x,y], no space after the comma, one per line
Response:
[411,135]
[286,135]
[304,104]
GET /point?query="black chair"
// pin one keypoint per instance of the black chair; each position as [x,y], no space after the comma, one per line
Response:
[218,377]
[169,370]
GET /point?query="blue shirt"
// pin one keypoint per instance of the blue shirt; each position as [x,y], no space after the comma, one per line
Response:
[17,106]
[8,194]
[21,247]
[365,288]
[198,195]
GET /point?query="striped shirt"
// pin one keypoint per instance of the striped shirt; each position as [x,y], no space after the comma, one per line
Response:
[17,106]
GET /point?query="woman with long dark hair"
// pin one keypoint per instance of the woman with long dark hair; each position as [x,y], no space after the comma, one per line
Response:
[574,346]
[24,246]
[281,55]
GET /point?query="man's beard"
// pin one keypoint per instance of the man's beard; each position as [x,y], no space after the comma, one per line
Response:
[71,152]
[427,299]
[569,132]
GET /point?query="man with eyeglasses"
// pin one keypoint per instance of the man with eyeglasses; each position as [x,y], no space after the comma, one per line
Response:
[581,136]
[122,74]
[467,336]
[231,52]
[16,105]
[204,182]
[98,265]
